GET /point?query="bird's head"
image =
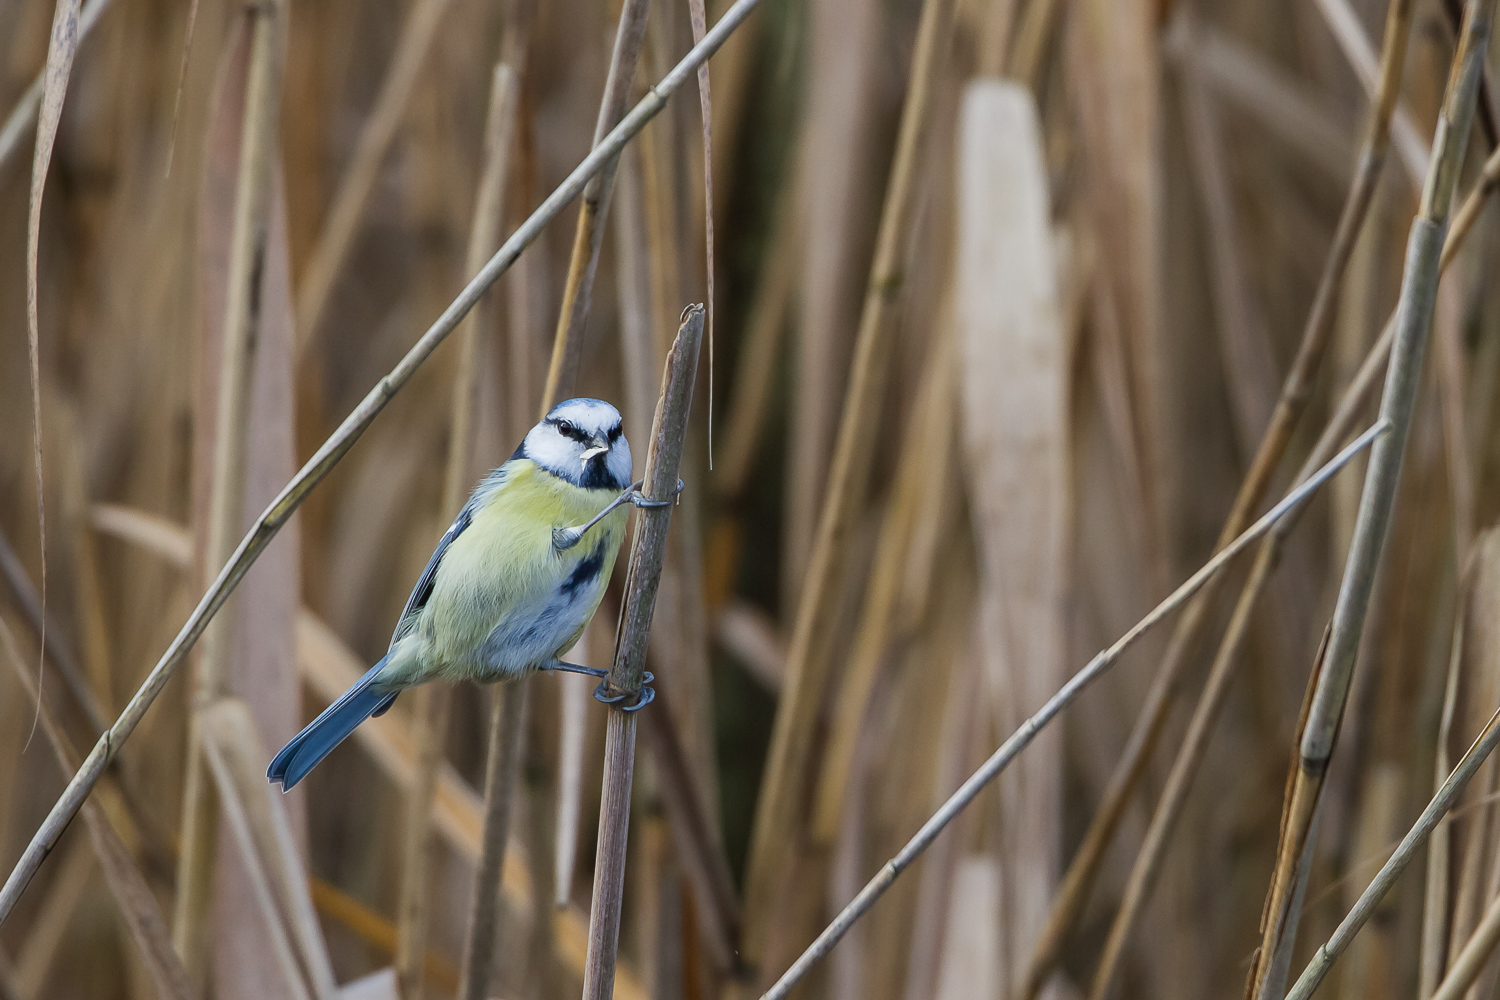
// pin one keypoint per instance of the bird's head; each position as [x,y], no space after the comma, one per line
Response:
[582,441]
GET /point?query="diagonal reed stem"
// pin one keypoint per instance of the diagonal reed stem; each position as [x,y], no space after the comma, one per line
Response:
[1012,747]
[332,451]
[1377,502]
[647,554]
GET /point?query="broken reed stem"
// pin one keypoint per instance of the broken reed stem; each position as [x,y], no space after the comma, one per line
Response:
[781,792]
[647,555]
[1028,730]
[1377,500]
[588,238]
[337,446]
[18,124]
[1364,907]
[238,338]
[433,701]
[1296,391]
[342,225]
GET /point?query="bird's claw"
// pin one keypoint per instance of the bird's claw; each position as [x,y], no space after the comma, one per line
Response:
[643,697]
[639,499]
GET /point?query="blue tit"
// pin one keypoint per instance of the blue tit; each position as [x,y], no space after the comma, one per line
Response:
[502,596]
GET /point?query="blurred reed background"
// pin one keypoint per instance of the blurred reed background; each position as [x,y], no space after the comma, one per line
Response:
[1006,294]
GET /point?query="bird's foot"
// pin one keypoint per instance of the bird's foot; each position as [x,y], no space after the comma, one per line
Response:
[643,697]
[639,499]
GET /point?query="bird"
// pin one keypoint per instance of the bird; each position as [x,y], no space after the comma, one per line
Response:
[511,584]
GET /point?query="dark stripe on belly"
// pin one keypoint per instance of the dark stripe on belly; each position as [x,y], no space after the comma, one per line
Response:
[584,573]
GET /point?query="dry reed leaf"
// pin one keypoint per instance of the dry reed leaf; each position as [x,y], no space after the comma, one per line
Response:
[1013,390]
[61,46]
[19,119]
[152,532]
[1479,681]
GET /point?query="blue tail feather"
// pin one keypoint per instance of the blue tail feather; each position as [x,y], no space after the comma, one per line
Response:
[303,752]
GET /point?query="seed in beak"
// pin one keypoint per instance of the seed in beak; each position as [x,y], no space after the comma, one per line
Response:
[598,450]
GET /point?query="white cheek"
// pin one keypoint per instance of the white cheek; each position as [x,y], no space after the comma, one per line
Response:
[550,449]
[619,463]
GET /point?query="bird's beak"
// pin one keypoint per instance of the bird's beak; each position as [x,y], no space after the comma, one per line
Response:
[599,448]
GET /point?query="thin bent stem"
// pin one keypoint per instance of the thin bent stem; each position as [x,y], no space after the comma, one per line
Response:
[332,451]
[647,556]
[1028,730]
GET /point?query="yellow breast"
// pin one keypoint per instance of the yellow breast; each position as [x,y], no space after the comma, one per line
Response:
[504,565]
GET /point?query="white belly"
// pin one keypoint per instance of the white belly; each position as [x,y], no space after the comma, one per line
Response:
[536,631]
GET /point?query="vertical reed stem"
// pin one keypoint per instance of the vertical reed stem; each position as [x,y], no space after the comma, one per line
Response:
[647,555]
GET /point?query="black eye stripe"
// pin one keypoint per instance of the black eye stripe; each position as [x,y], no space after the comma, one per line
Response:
[614,433]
